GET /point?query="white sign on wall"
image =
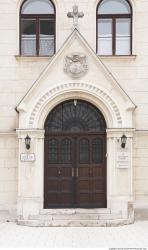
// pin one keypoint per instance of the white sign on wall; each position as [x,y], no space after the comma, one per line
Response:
[27,157]
[123,159]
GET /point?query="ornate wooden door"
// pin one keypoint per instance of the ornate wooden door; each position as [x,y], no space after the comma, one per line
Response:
[75,157]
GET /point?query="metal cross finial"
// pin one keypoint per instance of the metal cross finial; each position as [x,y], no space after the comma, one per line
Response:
[75,15]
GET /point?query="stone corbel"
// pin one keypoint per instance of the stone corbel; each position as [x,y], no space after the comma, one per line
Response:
[22,107]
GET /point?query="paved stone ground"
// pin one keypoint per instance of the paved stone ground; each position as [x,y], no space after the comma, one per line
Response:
[129,236]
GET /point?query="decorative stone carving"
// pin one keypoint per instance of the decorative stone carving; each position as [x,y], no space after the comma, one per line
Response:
[75,15]
[70,87]
[76,65]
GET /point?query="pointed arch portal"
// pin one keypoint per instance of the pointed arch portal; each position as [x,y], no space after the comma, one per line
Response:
[75,156]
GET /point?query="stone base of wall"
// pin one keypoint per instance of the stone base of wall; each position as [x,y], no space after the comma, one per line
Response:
[8,216]
[141,214]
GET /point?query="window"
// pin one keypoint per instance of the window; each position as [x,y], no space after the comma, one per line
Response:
[114,27]
[53,151]
[82,117]
[97,150]
[84,151]
[37,28]
[66,151]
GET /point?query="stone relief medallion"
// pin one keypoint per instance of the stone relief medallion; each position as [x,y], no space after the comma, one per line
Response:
[76,65]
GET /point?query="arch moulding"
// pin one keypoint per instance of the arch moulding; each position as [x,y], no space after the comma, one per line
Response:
[66,91]
[132,2]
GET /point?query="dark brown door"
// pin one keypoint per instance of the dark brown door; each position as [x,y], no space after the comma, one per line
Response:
[75,156]
[91,171]
[75,171]
[59,173]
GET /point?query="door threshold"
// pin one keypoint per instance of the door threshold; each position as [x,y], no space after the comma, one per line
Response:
[75,211]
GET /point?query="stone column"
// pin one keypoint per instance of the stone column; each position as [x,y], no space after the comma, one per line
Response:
[30,174]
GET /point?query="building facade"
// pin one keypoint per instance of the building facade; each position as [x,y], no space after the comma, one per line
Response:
[74,111]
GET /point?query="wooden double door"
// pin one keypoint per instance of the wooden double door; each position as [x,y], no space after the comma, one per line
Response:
[75,170]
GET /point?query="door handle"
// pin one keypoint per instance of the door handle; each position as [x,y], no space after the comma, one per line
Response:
[73,172]
[77,172]
[59,172]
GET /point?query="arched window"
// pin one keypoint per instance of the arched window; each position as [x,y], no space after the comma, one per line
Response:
[114,27]
[66,117]
[37,28]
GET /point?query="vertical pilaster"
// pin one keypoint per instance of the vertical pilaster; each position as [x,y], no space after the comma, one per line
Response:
[119,171]
[30,174]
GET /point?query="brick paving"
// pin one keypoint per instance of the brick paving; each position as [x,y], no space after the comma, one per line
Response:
[136,235]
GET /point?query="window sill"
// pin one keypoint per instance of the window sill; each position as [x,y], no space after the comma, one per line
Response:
[118,57]
[32,58]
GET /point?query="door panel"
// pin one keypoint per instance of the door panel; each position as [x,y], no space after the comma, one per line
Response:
[75,171]
[91,180]
[58,187]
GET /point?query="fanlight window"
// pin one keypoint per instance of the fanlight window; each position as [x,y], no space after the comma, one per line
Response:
[114,27]
[37,28]
[67,117]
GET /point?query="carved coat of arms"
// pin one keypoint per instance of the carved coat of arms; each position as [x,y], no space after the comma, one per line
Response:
[76,65]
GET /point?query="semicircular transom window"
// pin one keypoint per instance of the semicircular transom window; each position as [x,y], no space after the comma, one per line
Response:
[37,28]
[67,117]
[114,27]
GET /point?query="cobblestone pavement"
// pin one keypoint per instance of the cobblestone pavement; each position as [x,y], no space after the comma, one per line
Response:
[129,236]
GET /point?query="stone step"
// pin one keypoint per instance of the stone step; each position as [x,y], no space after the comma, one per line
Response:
[86,217]
[75,211]
[75,223]
[75,217]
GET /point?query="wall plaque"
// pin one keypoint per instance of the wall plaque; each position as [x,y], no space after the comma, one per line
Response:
[27,157]
[123,159]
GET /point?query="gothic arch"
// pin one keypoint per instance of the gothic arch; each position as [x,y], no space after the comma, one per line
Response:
[68,91]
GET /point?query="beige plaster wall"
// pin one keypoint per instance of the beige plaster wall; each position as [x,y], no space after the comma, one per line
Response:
[18,74]
[140,163]
[8,171]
